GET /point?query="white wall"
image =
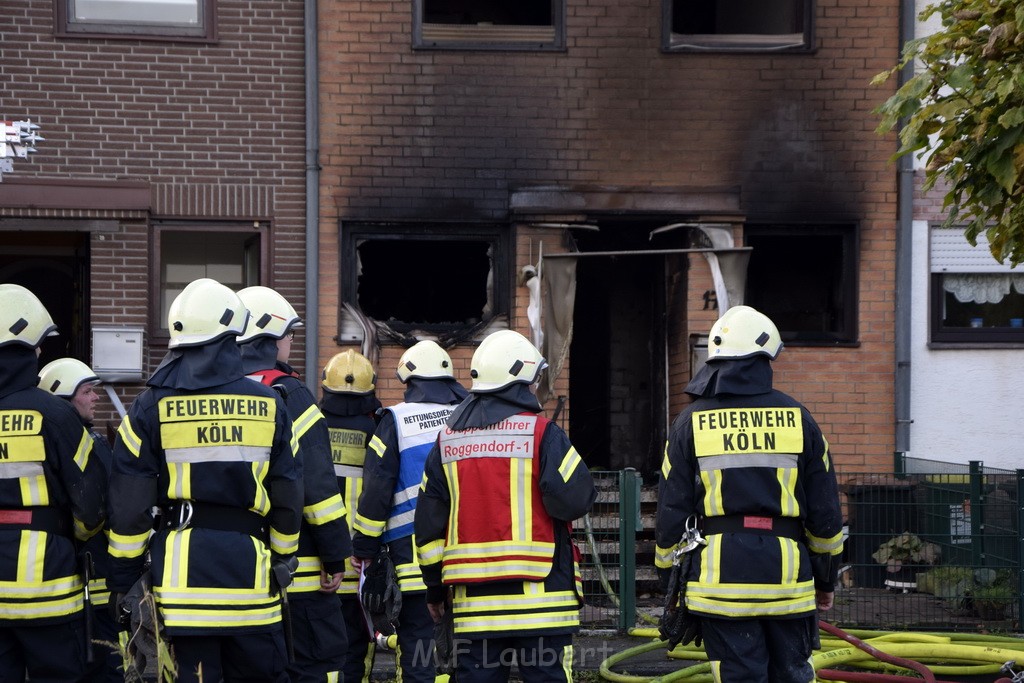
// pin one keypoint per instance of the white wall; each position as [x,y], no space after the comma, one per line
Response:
[966,404]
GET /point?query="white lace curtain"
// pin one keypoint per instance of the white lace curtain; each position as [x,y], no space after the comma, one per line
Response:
[982,288]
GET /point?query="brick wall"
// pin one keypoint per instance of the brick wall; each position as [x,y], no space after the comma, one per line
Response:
[216,130]
[428,133]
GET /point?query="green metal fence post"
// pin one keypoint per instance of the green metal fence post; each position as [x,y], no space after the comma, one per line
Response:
[977,493]
[629,522]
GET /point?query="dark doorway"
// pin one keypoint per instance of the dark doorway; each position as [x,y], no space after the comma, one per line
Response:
[55,267]
[617,385]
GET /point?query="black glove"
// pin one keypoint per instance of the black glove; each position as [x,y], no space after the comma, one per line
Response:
[678,625]
[444,642]
[119,612]
[380,594]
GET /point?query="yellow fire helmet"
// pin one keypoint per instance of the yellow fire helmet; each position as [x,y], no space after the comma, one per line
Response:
[743,332]
[63,376]
[425,359]
[272,315]
[503,358]
[23,318]
[349,372]
[204,312]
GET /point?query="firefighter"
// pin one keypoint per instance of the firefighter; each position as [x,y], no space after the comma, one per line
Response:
[214,451]
[747,468]
[391,481]
[52,489]
[351,408]
[75,382]
[324,542]
[493,526]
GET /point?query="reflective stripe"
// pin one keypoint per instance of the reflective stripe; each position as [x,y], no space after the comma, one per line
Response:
[532,600]
[307,575]
[496,549]
[430,553]
[497,571]
[303,422]
[741,460]
[517,622]
[406,494]
[325,511]
[17,470]
[569,464]
[663,557]
[217,454]
[283,544]
[377,446]
[666,464]
[798,605]
[34,490]
[831,546]
[348,472]
[367,526]
[129,438]
[127,546]
[84,449]
[402,519]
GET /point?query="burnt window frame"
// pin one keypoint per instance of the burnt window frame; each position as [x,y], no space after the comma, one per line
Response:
[490,37]
[499,235]
[847,333]
[157,322]
[731,42]
[66,25]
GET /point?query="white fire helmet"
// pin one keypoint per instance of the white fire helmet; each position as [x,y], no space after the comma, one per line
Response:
[272,315]
[743,332]
[427,360]
[63,376]
[204,312]
[503,358]
[23,318]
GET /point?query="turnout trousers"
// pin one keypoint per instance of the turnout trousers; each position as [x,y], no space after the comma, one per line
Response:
[359,657]
[319,638]
[245,658]
[540,659]
[761,650]
[54,653]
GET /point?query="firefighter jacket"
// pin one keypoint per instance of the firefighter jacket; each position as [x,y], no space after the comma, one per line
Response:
[756,467]
[393,472]
[493,523]
[324,539]
[95,549]
[351,422]
[204,433]
[52,490]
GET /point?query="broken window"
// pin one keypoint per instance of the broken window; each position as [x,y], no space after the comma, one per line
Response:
[804,277]
[737,25]
[507,24]
[433,278]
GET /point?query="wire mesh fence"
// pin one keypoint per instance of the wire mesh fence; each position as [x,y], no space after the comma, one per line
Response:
[932,546]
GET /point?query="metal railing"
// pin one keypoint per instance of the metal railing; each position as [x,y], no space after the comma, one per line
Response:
[932,546]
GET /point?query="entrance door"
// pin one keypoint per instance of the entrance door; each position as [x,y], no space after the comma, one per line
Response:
[55,267]
[617,381]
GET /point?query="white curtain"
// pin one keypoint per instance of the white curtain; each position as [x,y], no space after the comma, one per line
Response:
[982,288]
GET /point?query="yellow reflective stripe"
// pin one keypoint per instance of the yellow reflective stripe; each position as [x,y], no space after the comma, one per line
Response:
[787,485]
[567,656]
[261,499]
[185,617]
[824,456]
[507,569]
[42,606]
[712,480]
[455,493]
[176,554]
[666,465]
[179,480]
[261,579]
[31,556]
[129,438]
[534,597]
[663,557]
[34,490]
[333,676]
[325,511]
[120,545]
[517,622]
[521,509]
[711,560]
[84,449]
[831,546]
[498,549]
[377,446]
[353,487]
[84,533]
[790,554]
[367,526]
[303,422]
[780,607]
[294,443]
[431,552]
[751,592]
[283,544]
[569,464]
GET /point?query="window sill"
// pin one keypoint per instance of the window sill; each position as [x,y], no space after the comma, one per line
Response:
[488,36]
[975,345]
[789,42]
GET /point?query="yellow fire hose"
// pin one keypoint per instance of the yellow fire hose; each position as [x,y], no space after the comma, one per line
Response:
[945,654]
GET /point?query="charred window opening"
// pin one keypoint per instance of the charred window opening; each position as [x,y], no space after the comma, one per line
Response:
[504,25]
[804,277]
[433,278]
[738,25]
